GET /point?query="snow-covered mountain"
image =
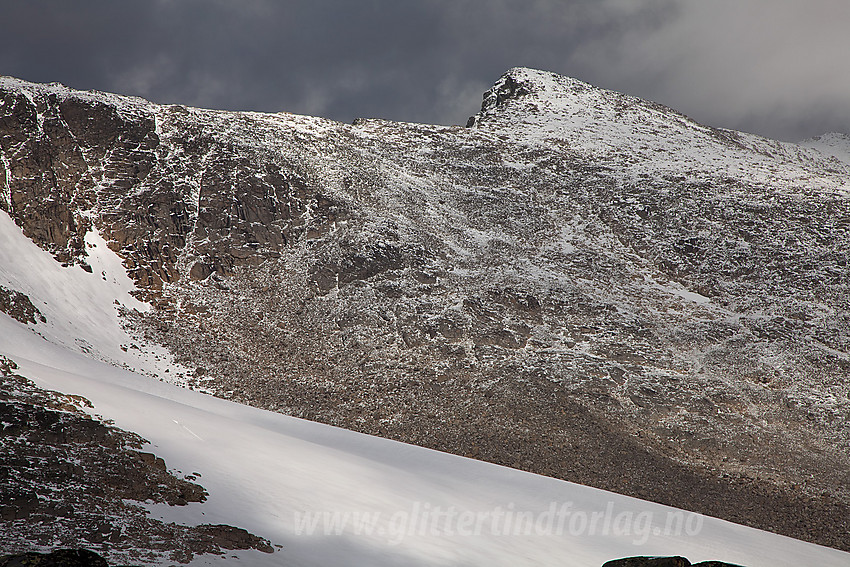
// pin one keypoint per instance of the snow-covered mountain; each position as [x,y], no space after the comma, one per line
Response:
[579,284]
[832,144]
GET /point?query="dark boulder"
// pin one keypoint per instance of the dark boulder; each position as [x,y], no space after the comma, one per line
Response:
[649,562]
[58,558]
[675,561]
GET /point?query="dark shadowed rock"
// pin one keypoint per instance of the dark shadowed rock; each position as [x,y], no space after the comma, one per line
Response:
[68,479]
[217,536]
[675,561]
[18,306]
[58,558]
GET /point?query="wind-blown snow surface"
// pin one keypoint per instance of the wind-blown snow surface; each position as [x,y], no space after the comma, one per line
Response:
[832,144]
[296,482]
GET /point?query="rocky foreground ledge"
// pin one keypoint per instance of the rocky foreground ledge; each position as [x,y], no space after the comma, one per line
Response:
[69,479]
[58,558]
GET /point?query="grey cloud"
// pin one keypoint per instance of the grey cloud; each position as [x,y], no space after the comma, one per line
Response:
[758,65]
[775,67]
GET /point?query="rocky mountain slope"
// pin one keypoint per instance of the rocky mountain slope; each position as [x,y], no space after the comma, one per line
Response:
[578,283]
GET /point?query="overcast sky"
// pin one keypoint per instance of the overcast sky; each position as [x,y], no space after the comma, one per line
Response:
[774,67]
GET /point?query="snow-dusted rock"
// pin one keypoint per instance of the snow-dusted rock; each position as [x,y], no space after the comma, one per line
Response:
[580,283]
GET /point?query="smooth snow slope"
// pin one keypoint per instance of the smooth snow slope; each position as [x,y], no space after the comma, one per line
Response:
[274,475]
[81,308]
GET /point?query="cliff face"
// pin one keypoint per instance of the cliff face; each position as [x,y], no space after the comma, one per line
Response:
[579,283]
[154,179]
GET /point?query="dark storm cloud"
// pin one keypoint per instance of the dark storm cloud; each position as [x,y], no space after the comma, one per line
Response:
[417,61]
[776,67]
[761,65]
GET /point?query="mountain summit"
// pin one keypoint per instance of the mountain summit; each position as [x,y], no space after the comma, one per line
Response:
[580,283]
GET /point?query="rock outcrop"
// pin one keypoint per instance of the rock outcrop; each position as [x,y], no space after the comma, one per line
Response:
[19,307]
[672,561]
[155,178]
[69,479]
[58,558]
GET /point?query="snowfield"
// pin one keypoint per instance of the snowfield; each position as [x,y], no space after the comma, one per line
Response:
[326,496]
